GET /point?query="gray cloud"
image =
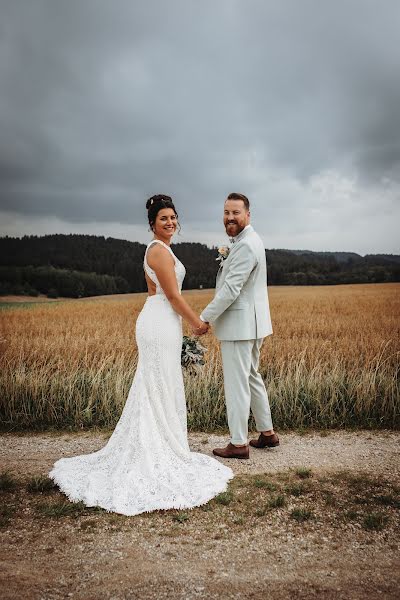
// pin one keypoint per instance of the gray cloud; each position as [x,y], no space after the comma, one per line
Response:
[103,104]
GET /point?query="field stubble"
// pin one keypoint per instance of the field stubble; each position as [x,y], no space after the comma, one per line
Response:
[332,361]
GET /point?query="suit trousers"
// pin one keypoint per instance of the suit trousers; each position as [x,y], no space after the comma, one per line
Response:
[244,388]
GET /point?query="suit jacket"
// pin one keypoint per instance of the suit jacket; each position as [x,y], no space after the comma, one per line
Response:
[240,308]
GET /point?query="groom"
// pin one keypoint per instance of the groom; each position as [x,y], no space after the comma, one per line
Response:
[240,315]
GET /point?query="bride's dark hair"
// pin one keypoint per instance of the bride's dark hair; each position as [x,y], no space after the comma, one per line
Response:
[156,203]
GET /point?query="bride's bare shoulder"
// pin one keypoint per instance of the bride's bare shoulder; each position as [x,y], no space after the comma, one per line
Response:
[157,255]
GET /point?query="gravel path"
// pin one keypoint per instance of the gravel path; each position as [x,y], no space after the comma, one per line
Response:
[369,451]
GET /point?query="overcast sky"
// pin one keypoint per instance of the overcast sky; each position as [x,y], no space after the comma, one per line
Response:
[295,103]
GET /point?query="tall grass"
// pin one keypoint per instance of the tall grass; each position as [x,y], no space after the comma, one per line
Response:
[332,361]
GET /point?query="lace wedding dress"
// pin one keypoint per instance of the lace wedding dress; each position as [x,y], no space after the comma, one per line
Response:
[147,464]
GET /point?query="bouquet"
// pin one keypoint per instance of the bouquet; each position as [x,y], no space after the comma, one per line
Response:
[192,354]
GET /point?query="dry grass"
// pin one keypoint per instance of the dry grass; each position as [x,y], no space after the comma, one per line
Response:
[333,360]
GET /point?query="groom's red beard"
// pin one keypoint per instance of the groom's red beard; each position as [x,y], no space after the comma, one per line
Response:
[233,228]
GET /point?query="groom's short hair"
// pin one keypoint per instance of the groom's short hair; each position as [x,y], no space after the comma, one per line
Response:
[236,196]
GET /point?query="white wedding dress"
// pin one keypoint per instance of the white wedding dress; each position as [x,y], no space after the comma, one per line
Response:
[147,464]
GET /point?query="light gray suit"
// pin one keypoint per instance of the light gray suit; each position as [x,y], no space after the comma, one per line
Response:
[241,319]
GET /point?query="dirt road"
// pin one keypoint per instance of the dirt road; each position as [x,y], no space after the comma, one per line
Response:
[317,517]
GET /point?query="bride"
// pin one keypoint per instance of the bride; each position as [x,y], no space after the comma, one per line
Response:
[147,464]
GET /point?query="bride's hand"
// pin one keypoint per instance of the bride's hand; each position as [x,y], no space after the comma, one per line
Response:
[201,329]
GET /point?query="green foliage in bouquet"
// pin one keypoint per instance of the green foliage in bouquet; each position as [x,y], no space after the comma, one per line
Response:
[192,352]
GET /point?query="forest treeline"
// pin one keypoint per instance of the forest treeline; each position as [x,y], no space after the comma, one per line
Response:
[85,265]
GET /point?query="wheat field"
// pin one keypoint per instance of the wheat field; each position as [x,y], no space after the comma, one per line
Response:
[332,361]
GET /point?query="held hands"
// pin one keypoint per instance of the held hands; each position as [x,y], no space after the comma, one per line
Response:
[201,329]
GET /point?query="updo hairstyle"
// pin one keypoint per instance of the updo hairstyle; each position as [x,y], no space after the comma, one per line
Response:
[155,204]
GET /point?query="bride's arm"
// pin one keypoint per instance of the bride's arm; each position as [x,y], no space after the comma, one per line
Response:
[162,263]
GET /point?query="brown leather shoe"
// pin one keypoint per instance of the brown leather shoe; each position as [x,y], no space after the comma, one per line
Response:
[232,451]
[265,441]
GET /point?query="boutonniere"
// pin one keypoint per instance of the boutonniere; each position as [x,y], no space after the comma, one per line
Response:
[223,253]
